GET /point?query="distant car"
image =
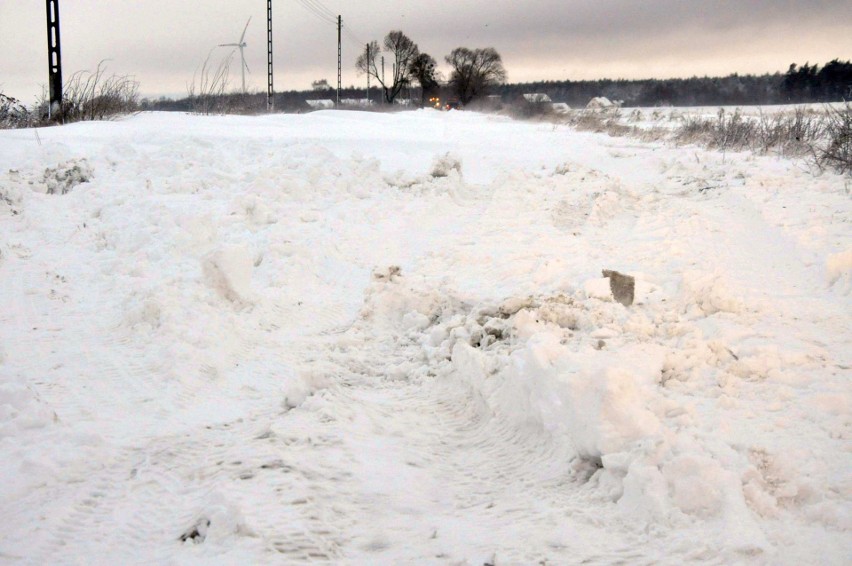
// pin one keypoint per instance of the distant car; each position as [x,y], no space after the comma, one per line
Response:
[435,102]
[452,105]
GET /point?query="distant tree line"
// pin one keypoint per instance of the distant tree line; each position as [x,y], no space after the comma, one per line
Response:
[800,84]
[808,83]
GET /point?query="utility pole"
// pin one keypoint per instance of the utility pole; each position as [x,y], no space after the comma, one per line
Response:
[339,28]
[54,56]
[369,61]
[270,91]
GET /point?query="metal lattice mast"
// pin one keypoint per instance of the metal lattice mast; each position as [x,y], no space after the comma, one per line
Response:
[54,55]
[270,91]
[339,60]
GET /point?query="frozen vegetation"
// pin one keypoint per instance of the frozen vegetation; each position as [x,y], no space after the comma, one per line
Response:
[387,339]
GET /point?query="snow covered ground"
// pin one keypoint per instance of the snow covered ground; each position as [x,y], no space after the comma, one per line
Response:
[360,338]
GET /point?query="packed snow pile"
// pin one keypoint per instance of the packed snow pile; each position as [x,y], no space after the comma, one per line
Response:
[446,164]
[615,388]
[601,103]
[839,267]
[228,270]
[61,179]
[21,409]
[419,337]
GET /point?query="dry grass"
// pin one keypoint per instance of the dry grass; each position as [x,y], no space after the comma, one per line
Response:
[13,114]
[835,151]
[792,134]
[823,137]
[602,121]
[206,92]
[87,95]
[92,95]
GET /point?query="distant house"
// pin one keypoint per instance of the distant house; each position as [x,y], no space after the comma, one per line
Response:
[536,98]
[602,102]
[321,104]
[356,102]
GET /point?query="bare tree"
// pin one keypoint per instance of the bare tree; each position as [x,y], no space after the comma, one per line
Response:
[422,69]
[475,72]
[402,50]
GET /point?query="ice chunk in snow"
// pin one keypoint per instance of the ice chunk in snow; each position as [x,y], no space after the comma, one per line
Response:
[299,388]
[219,520]
[21,409]
[229,271]
[61,179]
[839,270]
[710,293]
[444,165]
[622,286]
[256,212]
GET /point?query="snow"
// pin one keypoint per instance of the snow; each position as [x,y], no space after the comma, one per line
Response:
[350,337]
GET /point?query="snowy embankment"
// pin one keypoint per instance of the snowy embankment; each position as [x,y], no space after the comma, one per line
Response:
[369,338]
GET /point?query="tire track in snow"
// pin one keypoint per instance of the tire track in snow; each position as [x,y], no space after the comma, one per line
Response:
[301,481]
[149,497]
[468,469]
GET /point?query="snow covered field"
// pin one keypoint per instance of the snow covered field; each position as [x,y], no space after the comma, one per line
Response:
[360,338]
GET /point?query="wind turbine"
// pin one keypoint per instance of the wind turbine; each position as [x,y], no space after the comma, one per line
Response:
[241,45]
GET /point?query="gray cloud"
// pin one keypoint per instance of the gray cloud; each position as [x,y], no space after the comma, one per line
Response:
[162,42]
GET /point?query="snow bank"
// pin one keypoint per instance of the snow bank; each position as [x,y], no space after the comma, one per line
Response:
[598,378]
[189,364]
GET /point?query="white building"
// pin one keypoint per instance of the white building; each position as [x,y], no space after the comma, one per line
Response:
[321,104]
[534,98]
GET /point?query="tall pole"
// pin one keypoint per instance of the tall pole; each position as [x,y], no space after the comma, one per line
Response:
[270,91]
[339,60]
[54,56]
[369,64]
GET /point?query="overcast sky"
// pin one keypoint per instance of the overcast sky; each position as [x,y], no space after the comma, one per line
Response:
[162,42]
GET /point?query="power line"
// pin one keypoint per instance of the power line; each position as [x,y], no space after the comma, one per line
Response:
[322,13]
[321,8]
[352,37]
[317,13]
